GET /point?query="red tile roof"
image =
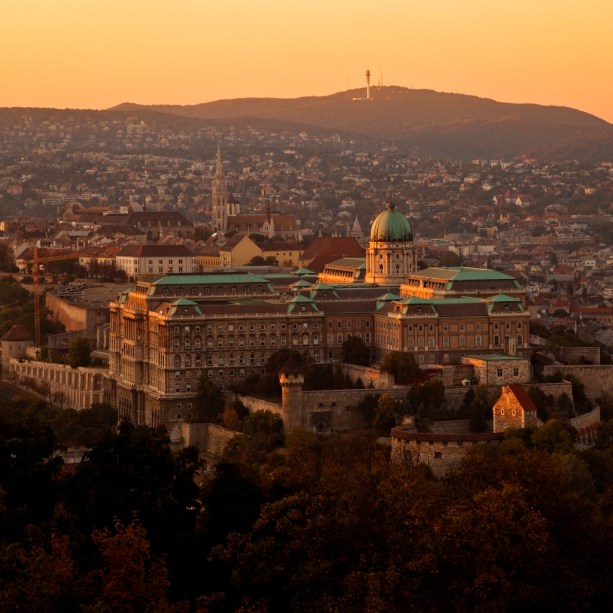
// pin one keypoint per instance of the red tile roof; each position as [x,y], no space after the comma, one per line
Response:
[17,333]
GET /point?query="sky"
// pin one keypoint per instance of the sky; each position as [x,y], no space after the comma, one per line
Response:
[99,53]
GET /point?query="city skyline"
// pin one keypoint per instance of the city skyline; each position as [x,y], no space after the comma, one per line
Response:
[95,55]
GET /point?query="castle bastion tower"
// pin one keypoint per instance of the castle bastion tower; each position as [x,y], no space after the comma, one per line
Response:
[391,255]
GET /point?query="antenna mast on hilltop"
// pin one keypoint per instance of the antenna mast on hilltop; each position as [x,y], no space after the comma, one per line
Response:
[367,84]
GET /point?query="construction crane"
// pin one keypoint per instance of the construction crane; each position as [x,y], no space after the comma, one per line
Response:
[36,263]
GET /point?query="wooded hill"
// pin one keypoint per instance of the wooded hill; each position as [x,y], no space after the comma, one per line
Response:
[430,122]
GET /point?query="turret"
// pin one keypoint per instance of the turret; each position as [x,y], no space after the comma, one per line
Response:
[291,377]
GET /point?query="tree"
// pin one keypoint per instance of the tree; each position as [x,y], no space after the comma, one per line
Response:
[79,352]
[7,258]
[209,403]
[356,352]
[401,365]
[426,399]
[265,429]
[450,258]
[384,418]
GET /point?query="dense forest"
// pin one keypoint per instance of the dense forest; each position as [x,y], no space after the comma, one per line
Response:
[301,523]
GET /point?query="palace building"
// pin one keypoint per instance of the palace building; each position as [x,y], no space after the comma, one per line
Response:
[169,330]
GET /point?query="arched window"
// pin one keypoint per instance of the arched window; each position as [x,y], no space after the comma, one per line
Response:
[177,361]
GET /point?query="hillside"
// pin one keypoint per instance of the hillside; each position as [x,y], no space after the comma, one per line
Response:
[434,123]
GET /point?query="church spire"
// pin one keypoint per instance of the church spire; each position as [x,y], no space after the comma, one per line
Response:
[219,165]
[219,203]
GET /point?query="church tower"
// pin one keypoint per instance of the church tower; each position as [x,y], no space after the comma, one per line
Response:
[391,255]
[220,197]
[357,233]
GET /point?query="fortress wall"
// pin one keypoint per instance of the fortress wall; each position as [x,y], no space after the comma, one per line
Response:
[598,380]
[573,355]
[368,374]
[256,404]
[210,439]
[440,455]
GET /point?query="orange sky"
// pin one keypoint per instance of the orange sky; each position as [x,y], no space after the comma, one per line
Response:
[98,53]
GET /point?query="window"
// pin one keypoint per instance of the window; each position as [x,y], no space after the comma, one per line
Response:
[516,372]
[499,372]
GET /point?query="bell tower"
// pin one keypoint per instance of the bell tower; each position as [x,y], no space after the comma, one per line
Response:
[220,197]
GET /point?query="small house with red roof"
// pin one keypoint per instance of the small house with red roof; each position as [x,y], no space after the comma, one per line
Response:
[514,409]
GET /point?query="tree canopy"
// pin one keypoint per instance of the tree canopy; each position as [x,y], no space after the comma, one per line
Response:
[401,365]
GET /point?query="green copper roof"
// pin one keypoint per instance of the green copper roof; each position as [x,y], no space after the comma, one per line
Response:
[303,271]
[462,300]
[208,278]
[493,357]
[388,296]
[463,273]
[300,283]
[391,226]
[300,298]
[303,301]
[502,298]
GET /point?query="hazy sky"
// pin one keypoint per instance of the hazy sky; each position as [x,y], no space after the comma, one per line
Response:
[98,53]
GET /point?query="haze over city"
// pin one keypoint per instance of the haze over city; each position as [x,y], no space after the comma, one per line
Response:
[70,54]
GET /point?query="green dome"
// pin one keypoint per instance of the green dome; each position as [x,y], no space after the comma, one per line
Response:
[390,227]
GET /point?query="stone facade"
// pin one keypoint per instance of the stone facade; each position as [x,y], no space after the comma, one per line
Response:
[578,355]
[442,452]
[368,375]
[210,439]
[586,427]
[598,380]
[320,411]
[514,409]
[66,387]
[498,369]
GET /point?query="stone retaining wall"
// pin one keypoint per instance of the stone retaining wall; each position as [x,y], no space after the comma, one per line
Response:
[368,374]
[598,380]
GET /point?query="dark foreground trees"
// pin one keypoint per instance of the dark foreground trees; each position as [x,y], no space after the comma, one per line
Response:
[321,524]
